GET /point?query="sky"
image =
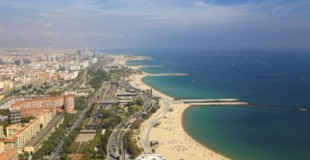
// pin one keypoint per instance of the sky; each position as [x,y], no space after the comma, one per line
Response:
[207,24]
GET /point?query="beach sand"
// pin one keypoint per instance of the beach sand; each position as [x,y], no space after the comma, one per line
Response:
[174,142]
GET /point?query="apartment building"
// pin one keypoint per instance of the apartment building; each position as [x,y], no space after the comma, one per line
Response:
[37,141]
[34,106]
[18,136]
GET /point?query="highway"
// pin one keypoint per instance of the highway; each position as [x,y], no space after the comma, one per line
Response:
[112,151]
[115,146]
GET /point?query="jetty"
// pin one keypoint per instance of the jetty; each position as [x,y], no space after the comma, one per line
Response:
[209,100]
[142,66]
[166,74]
[214,102]
[152,66]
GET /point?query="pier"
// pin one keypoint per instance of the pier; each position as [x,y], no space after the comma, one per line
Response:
[209,100]
[214,102]
[141,66]
[220,104]
[165,74]
[151,66]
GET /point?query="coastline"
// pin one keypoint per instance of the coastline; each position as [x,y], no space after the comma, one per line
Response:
[173,140]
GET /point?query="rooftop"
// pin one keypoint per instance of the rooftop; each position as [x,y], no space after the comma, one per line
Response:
[10,139]
[8,154]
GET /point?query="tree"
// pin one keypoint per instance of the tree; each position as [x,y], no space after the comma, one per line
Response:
[29,86]
[4,124]
[24,87]
[136,124]
[106,113]
[137,101]
[26,154]
[131,145]
[38,154]
[4,112]
[64,156]
[80,103]
[26,119]
[97,77]
[21,157]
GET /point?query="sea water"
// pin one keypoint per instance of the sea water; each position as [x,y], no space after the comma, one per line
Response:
[276,85]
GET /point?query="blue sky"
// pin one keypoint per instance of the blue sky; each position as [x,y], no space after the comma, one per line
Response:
[207,24]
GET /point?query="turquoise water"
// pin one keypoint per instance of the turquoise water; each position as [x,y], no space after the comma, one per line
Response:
[275,84]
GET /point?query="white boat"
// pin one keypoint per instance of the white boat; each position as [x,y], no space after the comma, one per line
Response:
[302,109]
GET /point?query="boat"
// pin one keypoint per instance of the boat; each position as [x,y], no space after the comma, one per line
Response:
[302,109]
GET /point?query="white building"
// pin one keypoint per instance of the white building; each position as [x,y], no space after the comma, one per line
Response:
[93,60]
[84,64]
[75,67]
[70,76]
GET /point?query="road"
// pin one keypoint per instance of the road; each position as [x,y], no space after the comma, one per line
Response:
[146,131]
[115,146]
[112,149]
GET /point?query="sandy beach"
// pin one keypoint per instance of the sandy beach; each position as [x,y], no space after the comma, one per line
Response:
[174,142]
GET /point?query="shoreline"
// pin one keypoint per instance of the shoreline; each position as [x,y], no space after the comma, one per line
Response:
[173,140]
